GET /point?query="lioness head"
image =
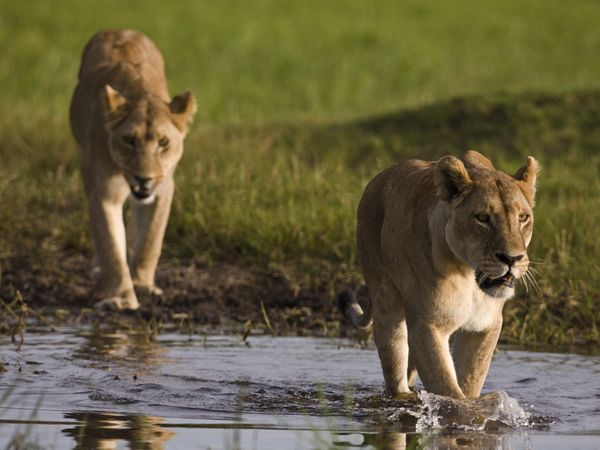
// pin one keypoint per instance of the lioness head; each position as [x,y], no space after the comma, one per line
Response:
[490,218]
[146,137]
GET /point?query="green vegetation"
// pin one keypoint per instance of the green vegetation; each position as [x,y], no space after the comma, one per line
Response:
[300,104]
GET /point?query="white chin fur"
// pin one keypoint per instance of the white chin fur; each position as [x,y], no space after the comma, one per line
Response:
[500,292]
[144,201]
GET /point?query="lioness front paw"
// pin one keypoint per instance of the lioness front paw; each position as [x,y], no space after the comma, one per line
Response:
[405,396]
[117,303]
[149,290]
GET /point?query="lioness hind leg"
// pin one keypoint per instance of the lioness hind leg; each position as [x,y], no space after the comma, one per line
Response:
[391,339]
[472,353]
[148,223]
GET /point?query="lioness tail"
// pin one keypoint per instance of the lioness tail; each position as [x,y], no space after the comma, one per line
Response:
[353,311]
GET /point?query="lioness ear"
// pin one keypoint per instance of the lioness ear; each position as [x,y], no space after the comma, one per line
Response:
[475,159]
[114,99]
[183,108]
[527,176]
[450,178]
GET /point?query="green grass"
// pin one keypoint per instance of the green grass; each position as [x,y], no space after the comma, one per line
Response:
[282,60]
[300,104]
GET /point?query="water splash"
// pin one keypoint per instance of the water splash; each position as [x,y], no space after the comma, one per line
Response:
[492,411]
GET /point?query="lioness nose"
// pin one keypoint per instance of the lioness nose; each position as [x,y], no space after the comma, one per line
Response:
[508,259]
[142,180]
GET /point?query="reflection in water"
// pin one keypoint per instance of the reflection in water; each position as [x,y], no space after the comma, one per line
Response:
[383,440]
[393,440]
[106,431]
[110,431]
[217,392]
[104,349]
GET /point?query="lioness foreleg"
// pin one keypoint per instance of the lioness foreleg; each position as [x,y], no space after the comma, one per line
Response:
[430,351]
[472,353]
[148,225]
[412,371]
[108,230]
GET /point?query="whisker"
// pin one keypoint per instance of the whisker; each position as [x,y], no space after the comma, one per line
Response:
[528,281]
[538,262]
[537,287]
[481,277]
[535,272]
[529,276]
[525,283]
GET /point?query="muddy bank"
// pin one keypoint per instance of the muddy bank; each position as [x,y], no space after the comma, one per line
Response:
[208,298]
[223,296]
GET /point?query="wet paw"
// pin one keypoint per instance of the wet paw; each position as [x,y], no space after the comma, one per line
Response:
[405,396]
[149,290]
[117,304]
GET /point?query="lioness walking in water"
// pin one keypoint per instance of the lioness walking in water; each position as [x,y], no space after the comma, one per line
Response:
[131,136]
[441,245]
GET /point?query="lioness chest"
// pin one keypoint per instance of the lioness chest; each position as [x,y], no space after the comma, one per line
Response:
[466,307]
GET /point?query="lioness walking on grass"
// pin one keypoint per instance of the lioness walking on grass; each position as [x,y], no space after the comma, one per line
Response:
[131,136]
[441,245]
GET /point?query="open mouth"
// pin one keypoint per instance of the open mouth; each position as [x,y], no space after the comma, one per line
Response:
[141,195]
[486,282]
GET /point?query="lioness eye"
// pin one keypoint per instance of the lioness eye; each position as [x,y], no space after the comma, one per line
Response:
[523,218]
[163,142]
[129,140]
[483,217]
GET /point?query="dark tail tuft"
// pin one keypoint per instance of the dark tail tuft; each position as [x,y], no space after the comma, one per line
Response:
[345,298]
[352,310]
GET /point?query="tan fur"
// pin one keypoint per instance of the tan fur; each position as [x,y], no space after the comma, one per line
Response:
[425,229]
[131,137]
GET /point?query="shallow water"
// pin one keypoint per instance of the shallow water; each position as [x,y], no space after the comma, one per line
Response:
[78,389]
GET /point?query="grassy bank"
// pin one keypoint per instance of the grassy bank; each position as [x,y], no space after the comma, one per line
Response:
[287,203]
[300,104]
